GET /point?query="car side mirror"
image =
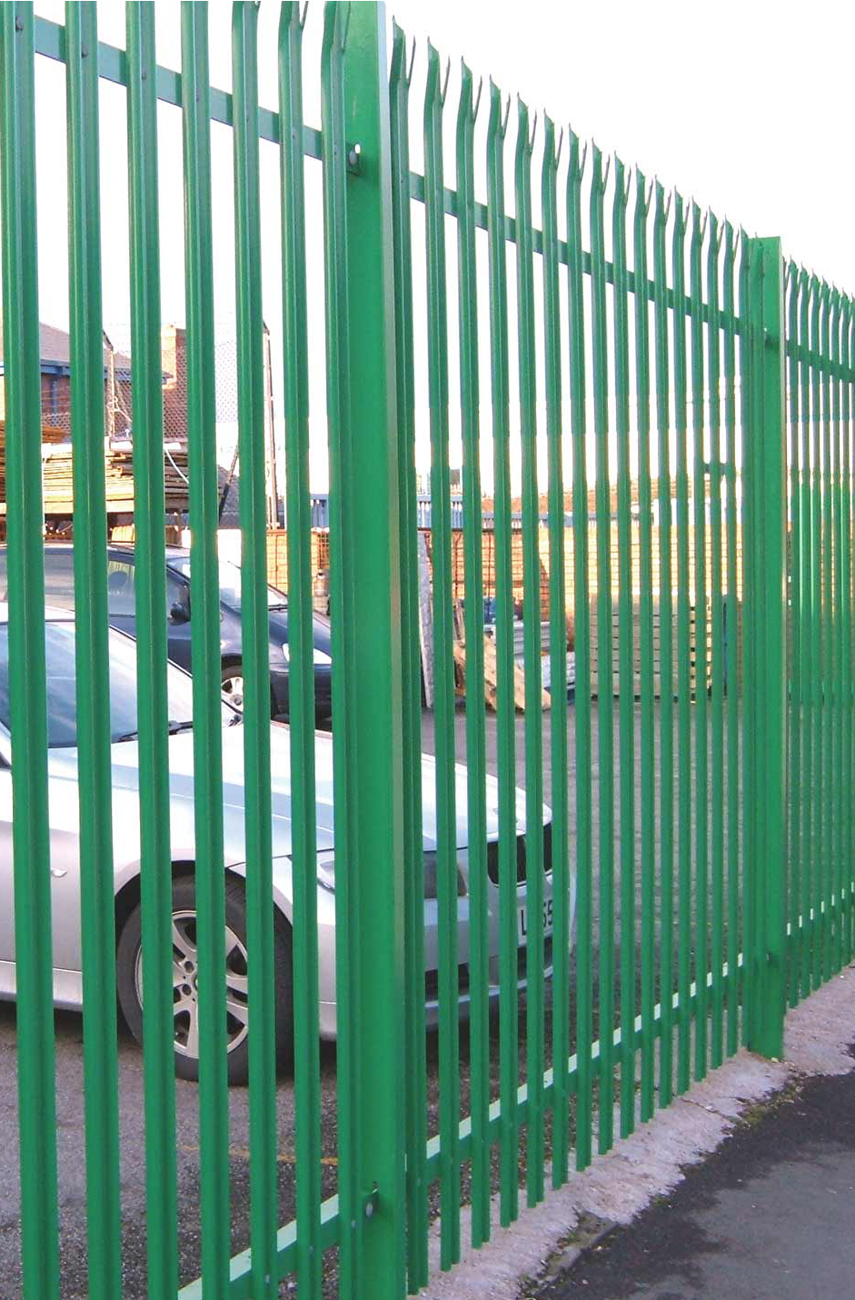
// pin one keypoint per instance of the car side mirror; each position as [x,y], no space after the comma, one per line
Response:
[180,612]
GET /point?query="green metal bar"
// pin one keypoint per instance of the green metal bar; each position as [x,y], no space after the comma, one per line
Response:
[816,633]
[850,597]
[646,665]
[443,664]
[95,783]
[205,601]
[626,720]
[733,607]
[837,648]
[416,1069]
[716,475]
[561,887]
[605,705]
[479,1022]
[795,676]
[806,637]
[301,678]
[505,727]
[684,823]
[765,500]
[153,714]
[826,616]
[343,632]
[846,621]
[255,646]
[366,623]
[750,599]
[699,495]
[28,710]
[666,660]
[582,630]
[533,688]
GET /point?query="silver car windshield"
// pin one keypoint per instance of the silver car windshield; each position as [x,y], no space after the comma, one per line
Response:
[230,584]
[61,689]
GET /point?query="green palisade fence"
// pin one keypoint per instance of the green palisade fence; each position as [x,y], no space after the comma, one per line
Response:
[658,410]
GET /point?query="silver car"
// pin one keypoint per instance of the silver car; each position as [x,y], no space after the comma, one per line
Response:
[65,856]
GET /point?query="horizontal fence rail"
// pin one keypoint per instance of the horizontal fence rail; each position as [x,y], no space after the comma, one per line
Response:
[584,824]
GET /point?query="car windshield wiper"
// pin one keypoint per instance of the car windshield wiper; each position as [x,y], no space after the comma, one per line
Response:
[175,727]
[126,735]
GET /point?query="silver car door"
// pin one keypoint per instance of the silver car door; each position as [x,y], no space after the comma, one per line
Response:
[64,867]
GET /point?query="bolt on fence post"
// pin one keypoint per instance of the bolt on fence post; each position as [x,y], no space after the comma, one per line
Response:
[765,502]
[366,623]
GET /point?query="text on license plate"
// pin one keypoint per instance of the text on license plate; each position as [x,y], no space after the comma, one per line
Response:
[547,919]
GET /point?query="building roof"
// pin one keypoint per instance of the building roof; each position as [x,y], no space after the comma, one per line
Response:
[55,352]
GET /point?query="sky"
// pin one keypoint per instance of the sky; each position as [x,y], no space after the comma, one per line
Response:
[746,107]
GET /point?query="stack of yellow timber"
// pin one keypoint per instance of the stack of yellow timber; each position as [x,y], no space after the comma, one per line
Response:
[50,434]
[119,479]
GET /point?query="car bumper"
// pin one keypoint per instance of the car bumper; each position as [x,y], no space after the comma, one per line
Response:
[431,939]
[279,694]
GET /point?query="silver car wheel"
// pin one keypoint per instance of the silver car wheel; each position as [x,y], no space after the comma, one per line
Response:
[233,690]
[185,977]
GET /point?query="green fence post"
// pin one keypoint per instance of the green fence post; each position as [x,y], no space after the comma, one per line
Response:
[366,629]
[765,554]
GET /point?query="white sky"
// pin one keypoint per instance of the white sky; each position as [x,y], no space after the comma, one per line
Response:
[747,107]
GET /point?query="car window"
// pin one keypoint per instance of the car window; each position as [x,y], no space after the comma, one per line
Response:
[61,689]
[177,594]
[59,579]
[230,585]
[120,588]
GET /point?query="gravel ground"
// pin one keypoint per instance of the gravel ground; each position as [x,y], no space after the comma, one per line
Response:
[70,1135]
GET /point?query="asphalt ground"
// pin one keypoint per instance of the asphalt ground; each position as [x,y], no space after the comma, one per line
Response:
[70,1127]
[767,1217]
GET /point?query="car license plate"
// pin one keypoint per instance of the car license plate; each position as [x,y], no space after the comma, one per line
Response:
[547,920]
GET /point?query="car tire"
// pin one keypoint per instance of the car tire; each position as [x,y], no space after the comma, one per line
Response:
[231,680]
[129,980]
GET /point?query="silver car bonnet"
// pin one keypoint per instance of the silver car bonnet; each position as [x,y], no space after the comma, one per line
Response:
[63,764]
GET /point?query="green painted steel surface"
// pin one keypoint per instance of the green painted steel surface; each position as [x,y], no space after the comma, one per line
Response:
[301,684]
[583,664]
[255,647]
[443,663]
[479,1031]
[205,634]
[666,436]
[98,937]
[505,731]
[156,873]
[766,572]
[411,672]
[367,688]
[27,690]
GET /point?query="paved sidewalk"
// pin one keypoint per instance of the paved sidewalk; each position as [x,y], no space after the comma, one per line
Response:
[769,1215]
[742,1188]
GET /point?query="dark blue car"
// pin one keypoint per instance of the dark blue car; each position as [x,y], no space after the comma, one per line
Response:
[59,592]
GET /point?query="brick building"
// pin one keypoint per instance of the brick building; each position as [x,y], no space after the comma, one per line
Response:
[55,366]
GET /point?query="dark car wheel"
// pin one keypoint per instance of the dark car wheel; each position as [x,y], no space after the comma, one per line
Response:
[232,680]
[184,967]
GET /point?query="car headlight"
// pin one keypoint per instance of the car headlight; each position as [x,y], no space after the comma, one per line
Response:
[326,870]
[431,876]
[318,656]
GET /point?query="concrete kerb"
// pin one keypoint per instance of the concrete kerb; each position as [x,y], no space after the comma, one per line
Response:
[651,1162]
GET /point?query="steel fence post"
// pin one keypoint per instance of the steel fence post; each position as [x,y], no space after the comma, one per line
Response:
[765,681]
[366,629]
